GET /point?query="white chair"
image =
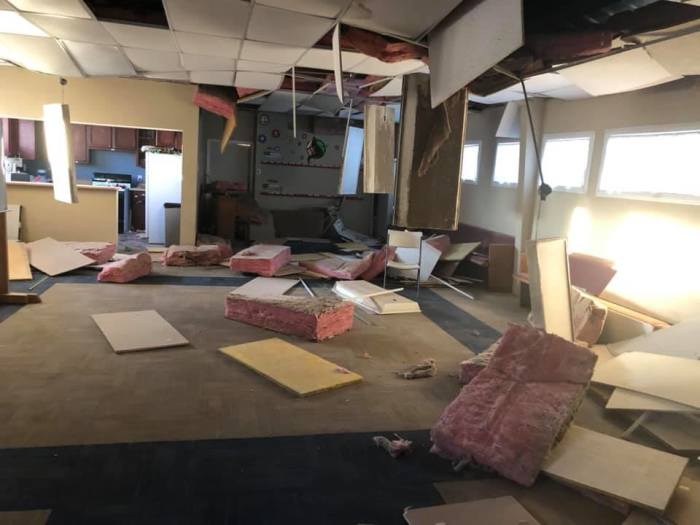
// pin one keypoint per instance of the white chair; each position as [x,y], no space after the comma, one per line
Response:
[405,239]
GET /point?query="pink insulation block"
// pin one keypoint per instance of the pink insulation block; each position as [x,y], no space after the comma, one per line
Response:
[204,255]
[126,270]
[376,265]
[509,416]
[100,252]
[339,268]
[262,259]
[312,318]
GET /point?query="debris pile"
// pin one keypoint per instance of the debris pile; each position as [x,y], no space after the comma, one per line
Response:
[426,368]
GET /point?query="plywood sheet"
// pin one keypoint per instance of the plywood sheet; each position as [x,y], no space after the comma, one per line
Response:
[54,258]
[18,261]
[378,174]
[266,287]
[291,367]
[140,330]
[428,181]
[503,511]
[623,399]
[672,378]
[639,475]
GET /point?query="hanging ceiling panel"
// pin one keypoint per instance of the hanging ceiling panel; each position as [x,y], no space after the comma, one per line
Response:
[37,54]
[14,23]
[142,37]
[258,80]
[679,56]
[174,75]
[72,8]
[268,24]
[373,66]
[226,18]
[207,63]
[99,60]
[275,53]
[327,8]
[77,29]
[323,59]
[148,60]
[262,67]
[391,89]
[215,46]
[217,78]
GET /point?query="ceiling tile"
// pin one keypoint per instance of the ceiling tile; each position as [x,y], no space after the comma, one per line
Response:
[99,60]
[274,53]
[217,78]
[215,46]
[72,8]
[76,29]
[148,60]
[258,80]
[261,67]
[5,5]
[567,93]
[268,24]
[544,82]
[142,37]
[499,97]
[174,75]
[281,101]
[391,89]
[373,66]
[207,63]
[209,17]
[327,8]
[407,18]
[14,23]
[678,55]
[323,59]
[37,54]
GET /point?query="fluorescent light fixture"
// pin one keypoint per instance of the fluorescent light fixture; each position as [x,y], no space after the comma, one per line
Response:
[14,23]
[59,147]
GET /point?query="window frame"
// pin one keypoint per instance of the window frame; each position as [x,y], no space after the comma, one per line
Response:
[494,182]
[590,135]
[669,198]
[478,161]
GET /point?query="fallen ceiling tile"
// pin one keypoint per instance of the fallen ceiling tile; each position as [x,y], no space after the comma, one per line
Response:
[281,101]
[77,29]
[268,24]
[210,45]
[37,54]
[678,55]
[317,58]
[13,23]
[500,97]
[147,60]
[543,82]
[407,18]
[99,60]
[274,53]
[174,75]
[261,67]
[73,8]
[391,89]
[141,37]
[217,78]
[626,71]
[226,18]
[207,63]
[326,8]
[246,79]
[374,66]
[571,92]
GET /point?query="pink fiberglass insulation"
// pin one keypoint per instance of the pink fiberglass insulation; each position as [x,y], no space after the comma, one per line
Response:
[204,255]
[262,259]
[510,415]
[376,266]
[312,318]
[339,268]
[126,270]
[100,252]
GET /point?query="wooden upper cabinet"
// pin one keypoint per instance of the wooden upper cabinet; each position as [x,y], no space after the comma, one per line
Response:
[125,139]
[19,138]
[100,137]
[169,139]
[81,153]
[9,137]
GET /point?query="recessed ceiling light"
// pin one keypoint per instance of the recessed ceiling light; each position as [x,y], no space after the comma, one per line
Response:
[15,24]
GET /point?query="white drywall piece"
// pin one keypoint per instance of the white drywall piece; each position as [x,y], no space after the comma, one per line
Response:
[135,331]
[258,80]
[154,61]
[337,64]
[142,37]
[317,58]
[207,63]
[678,56]
[391,89]
[78,29]
[100,60]
[217,78]
[72,8]
[210,45]
[38,54]
[352,157]
[326,8]
[274,53]
[491,29]
[226,18]
[626,71]
[268,24]
[261,67]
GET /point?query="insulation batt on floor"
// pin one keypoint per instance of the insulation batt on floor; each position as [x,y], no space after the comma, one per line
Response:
[205,255]
[262,259]
[126,270]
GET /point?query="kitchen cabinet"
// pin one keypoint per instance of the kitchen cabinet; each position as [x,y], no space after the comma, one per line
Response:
[100,137]
[169,139]
[19,138]
[125,139]
[81,153]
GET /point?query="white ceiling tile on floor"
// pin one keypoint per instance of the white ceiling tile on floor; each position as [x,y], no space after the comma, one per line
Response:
[247,79]
[274,53]
[261,67]
[207,63]
[99,60]
[73,8]
[217,78]
[209,17]
[14,23]
[76,29]
[281,101]
[327,8]
[407,18]
[391,89]
[317,58]
[173,75]
[268,24]
[37,54]
[141,37]
[374,66]
[678,55]
[148,60]
[215,46]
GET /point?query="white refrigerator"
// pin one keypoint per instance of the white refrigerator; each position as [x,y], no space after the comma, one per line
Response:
[163,184]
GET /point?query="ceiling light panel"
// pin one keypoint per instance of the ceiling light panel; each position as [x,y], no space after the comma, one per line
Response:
[141,37]
[246,79]
[37,54]
[215,46]
[373,66]
[327,8]
[148,60]
[14,23]
[323,59]
[207,63]
[274,53]
[217,78]
[268,24]
[226,18]
[77,29]
[100,60]
[174,75]
[261,67]
[73,8]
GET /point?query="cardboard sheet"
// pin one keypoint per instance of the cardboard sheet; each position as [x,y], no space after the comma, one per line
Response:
[266,287]
[378,174]
[672,378]
[291,367]
[54,258]
[18,261]
[140,330]
[502,511]
[389,303]
[643,476]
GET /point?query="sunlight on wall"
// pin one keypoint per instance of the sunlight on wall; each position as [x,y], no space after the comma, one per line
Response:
[580,234]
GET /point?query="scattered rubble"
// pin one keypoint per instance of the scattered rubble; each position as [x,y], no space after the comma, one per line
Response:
[395,447]
[426,368]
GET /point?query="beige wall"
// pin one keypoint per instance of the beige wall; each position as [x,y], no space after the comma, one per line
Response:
[116,102]
[93,218]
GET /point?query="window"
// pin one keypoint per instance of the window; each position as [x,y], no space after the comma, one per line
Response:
[470,162]
[565,162]
[657,165]
[507,163]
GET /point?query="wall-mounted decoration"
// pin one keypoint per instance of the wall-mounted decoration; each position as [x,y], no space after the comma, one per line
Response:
[275,133]
[264,119]
[315,149]
[262,138]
